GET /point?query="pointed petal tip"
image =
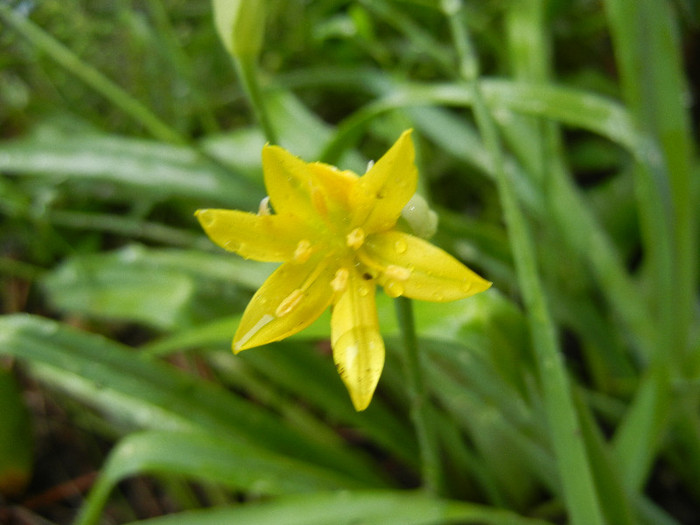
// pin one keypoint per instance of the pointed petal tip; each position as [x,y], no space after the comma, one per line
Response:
[237,347]
[360,403]
[476,285]
[205,217]
[274,150]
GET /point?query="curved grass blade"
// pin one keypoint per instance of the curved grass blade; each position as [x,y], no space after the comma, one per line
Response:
[238,466]
[351,508]
[161,170]
[151,394]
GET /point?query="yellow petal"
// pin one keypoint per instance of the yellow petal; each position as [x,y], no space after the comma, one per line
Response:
[261,237]
[358,348]
[335,186]
[382,192]
[415,268]
[290,300]
[289,183]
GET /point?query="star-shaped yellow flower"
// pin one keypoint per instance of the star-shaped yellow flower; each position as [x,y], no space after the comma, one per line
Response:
[335,233]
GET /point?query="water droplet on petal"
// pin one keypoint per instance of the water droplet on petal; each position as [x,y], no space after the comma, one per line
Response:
[233,246]
[363,290]
[400,246]
[393,288]
[206,217]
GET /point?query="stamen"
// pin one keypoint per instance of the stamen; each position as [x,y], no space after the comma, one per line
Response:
[355,238]
[340,281]
[398,273]
[264,207]
[289,303]
[303,251]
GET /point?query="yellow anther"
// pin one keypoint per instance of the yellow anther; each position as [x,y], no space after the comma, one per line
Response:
[398,273]
[289,303]
[303,251]
[356,238]
[340,281]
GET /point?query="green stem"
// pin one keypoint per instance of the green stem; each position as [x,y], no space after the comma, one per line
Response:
[427,439]
[574,469]
[22,270]
[248,73]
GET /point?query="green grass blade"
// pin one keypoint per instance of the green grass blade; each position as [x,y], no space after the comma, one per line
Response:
[290,364]
[649,57]
[161,170]
[206,457]
[150,394]
[72,63]
[16,439]
[574,468]
[348,508]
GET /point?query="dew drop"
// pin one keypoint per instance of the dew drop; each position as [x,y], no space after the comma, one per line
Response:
[233,246]
[207,218]
[393,289]
[363,290]
[400,246]
[437,296]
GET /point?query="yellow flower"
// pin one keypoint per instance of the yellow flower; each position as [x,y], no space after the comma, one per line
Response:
[335,233]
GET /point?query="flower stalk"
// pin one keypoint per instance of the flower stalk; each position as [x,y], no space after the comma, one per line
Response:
[431,468]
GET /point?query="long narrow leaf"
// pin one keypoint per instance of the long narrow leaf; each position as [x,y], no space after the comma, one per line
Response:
[151,394]
[350,508]
[206,457]
[159,169]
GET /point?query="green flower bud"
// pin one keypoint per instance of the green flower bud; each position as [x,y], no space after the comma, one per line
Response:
[420,218]
[241,25]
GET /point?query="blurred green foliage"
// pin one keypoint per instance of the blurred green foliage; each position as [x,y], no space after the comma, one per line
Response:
[119,118]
